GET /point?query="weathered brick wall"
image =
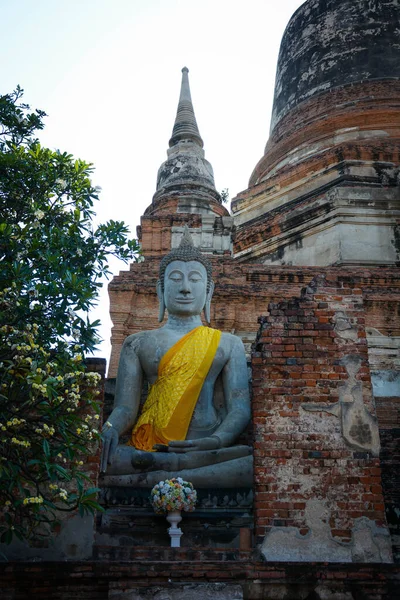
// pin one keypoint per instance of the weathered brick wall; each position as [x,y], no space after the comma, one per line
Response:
[315,470]
[242,294]
[164,571]
[156,225]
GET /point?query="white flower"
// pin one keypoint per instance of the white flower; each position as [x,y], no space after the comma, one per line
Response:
[33,292]
[71,313]
[79,252]
[62,183]
[39,214]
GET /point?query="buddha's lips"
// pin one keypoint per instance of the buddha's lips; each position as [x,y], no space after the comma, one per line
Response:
[184,300]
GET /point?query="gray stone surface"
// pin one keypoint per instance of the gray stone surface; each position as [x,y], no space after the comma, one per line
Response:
[383,351]
[386,384]
[213,237]
[202,591]
[360,229]
[359,427]
[263,590]
[121,529]
[186,166]
[329,44]
[74,542]
[369,543]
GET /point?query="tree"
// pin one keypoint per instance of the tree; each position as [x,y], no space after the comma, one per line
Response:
[52,260]
[224,195]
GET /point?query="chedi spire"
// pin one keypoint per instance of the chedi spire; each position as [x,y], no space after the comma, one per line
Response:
[186,174]
[185,127]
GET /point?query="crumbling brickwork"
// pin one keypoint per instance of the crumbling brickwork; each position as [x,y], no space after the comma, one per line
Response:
[242,293]
[146,573]
[316,441]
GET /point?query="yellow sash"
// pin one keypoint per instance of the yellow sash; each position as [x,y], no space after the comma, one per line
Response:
[172,398]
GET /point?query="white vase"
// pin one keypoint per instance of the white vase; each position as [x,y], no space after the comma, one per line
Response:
[175,532]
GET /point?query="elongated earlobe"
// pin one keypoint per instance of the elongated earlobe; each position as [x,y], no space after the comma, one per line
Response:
[207,306]
[160,295]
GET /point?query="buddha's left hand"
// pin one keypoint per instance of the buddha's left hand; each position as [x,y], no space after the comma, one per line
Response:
[207,443]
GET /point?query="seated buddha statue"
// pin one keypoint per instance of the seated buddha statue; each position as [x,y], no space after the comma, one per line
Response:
[179,431]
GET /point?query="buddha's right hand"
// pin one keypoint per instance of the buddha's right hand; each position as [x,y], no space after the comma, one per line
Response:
[110,439]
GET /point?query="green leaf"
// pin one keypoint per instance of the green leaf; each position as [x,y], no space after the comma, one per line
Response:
[46,448]
[91,492]
[63,473]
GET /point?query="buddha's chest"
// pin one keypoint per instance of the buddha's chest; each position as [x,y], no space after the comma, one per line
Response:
[154,351]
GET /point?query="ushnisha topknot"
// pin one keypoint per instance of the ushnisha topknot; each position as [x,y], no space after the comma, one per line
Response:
[186,251]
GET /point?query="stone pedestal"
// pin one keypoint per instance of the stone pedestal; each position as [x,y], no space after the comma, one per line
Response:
[222,519]
[175,532]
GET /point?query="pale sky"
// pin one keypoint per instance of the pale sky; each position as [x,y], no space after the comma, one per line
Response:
[108,72]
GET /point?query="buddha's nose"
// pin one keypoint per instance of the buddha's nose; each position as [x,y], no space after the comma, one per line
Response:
[185,287]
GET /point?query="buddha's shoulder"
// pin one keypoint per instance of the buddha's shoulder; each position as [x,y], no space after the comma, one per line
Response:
[142,339]
[231,342]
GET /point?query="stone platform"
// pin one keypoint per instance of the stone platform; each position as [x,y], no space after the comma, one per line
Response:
[222,519]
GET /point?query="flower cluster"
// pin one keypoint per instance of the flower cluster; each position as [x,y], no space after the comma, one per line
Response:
[33,500]
[49,420]
[173,494]
[23,443]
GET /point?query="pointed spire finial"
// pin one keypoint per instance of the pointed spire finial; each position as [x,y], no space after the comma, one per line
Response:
[185,127]
[186,240]
[186,171]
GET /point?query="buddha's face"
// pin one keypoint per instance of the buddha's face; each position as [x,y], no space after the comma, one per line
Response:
[185,288]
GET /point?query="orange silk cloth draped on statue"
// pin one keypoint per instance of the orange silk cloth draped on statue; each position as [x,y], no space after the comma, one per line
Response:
[172,398]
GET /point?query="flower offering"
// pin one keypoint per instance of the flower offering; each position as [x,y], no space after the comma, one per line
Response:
[173,494]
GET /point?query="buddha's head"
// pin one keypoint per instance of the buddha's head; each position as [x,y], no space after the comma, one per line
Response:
[185,286]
